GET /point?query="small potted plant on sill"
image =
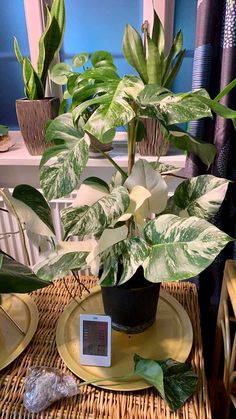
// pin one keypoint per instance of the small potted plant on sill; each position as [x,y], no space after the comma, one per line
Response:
[103,70]
[149,58]
[35,109]
[5,141]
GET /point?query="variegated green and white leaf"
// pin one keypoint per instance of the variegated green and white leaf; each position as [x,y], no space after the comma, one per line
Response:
[116,111]
[134,252]
[27,216]
[180,248]
[108,238]
[116,180]
[201,196]
[174,108]
[94,219]
[144,175]
[66,257]
[62,176]
[109,270]
[163,168]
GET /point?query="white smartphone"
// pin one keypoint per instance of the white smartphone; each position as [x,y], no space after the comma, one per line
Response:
[95,340]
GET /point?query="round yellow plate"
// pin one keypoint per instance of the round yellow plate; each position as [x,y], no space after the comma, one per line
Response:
[23,310]
[170,336]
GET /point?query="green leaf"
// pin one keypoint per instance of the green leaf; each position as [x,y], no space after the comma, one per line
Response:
[181,247]
[218,108]
[144,175]
[158,35]
[4,130]
[140,131]
[151,371]
[80,59]
[107,64]
[89,193]
[175,381]
[175,49]
[15,277]
[85,92]
[164,168]
[96,181]
[94,219]
[201,196]
[35,200]
[116,110]
[184,141]
[33,86]
[99,56]
[171,75]
[154,63]
[180,382]
[225,91]
[52,152]
[134,53]
[17,51]
[51,39]
[67,256]
[60,73]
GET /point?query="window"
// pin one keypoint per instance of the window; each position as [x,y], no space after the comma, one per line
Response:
[90,25]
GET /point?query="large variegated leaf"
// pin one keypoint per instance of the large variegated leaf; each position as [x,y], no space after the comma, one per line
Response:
[144,175]
[117,111]
[175,108]
[62,176]
[184,141]
[32,221]
[109,270]
[94,219]
[67,256]
[134,251]
[15,277]
[201,196]
[181,248]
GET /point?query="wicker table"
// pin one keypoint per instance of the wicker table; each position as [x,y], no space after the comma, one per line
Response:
[93,402]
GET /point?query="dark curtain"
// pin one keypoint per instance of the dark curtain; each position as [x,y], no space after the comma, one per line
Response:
[214,67]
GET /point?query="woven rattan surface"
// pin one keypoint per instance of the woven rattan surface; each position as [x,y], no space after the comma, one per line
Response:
[93,402]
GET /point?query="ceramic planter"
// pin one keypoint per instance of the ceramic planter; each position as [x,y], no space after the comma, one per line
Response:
[154,143]
[132,306]
[32,117]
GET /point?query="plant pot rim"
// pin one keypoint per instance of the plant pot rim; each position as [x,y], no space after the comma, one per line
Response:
[121,286]
[45,99]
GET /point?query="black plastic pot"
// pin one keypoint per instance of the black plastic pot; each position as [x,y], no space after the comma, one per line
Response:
[132,306]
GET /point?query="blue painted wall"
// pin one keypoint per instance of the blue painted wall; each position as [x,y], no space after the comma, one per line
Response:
[185,19]
[11,84]
[100,25]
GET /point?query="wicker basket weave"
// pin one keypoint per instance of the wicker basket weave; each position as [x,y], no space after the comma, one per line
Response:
[94,402]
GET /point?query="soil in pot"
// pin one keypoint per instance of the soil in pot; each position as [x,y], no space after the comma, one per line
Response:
[133,305]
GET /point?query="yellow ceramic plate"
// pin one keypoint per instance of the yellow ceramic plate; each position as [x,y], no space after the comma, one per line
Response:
[23,310]
[170,336]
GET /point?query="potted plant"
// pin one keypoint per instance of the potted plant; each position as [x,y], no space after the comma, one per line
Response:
[35,109]
[102,70]
[138,232]
[5,140]
[148,56]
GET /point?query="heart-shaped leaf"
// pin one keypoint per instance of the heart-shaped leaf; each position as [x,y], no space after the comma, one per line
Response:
[181,248]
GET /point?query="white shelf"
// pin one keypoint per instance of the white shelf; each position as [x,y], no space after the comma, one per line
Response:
[19,156]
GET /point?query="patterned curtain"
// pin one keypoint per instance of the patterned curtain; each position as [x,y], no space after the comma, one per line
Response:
[214,68]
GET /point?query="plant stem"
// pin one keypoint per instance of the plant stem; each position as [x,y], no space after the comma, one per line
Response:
[131,145]
[97,380]
[172,174]
[21,231]
[122,172]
